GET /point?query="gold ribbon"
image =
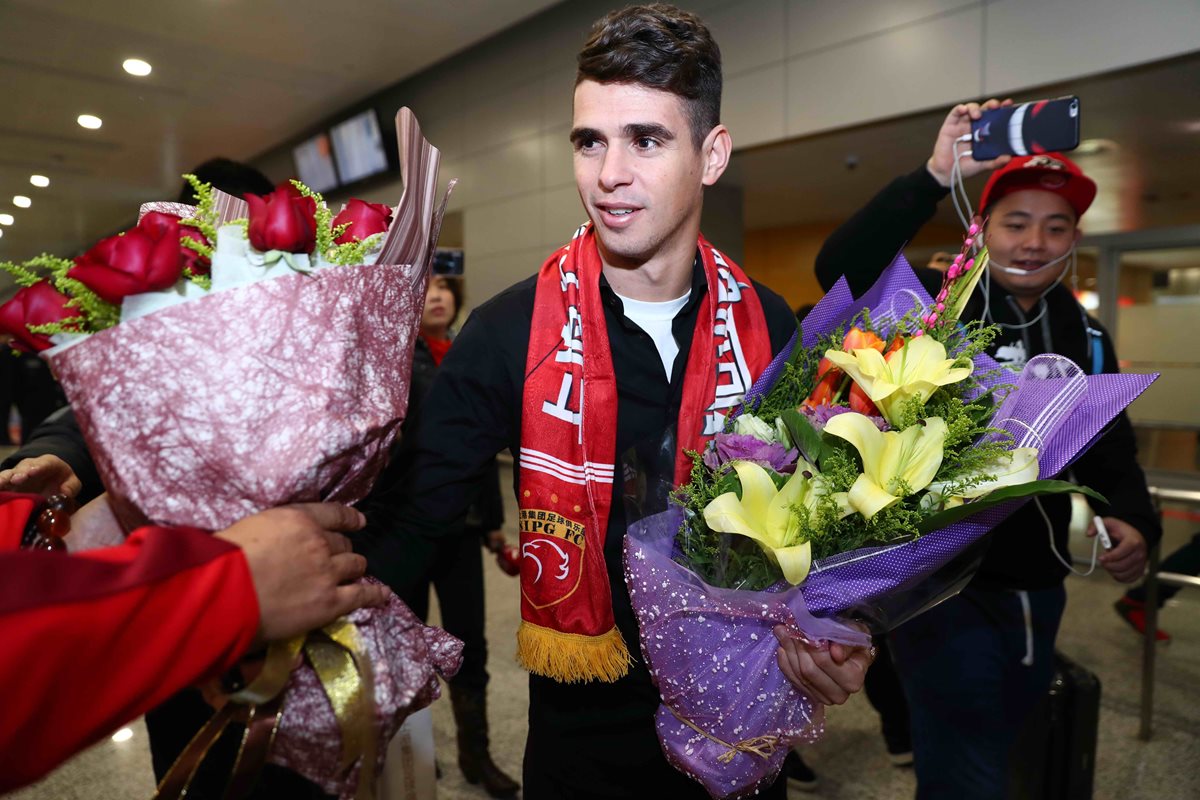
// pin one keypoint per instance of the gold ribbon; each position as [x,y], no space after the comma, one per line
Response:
[337,656]
[344,671]
[761,746]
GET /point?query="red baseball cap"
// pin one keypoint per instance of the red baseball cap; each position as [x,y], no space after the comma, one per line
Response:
[1047,172]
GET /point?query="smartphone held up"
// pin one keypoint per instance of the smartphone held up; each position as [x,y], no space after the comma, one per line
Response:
[1044,126]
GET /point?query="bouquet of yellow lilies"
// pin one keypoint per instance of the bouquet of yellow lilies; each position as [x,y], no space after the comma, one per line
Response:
[880,431]
[858,482]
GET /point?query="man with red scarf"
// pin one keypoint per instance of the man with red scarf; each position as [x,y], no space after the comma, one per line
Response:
[91,641]
[636,326]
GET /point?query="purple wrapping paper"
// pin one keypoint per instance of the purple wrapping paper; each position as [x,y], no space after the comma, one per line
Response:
[711,651]
[283,391]
[407,658]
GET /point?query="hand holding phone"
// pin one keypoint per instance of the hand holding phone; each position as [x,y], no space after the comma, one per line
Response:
[953,141]
[1045,126]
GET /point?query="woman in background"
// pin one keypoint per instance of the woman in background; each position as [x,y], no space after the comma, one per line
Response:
[457,569]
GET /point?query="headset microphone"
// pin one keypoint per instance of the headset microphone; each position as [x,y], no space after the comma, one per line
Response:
[1039,270]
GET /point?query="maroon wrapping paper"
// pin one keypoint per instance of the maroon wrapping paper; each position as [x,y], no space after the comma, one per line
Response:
[287,390]
[407,658]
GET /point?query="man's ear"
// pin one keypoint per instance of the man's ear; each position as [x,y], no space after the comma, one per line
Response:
[716,151]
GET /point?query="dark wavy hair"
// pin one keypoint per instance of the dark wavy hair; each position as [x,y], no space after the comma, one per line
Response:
[660,47]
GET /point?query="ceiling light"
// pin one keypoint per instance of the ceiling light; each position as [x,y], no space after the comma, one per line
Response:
[89,121]
[135,66]
[1,233]
[6,219]
[21,201]
[40,181]
[123,735]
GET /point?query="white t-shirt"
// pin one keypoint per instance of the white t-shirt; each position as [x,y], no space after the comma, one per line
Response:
[655,319]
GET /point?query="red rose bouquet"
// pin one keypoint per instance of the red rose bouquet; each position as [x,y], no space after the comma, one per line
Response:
[238,355]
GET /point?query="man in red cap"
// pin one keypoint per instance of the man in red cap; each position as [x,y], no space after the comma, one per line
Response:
[975,666]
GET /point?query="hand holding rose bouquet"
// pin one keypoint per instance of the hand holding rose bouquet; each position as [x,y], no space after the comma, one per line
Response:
[239,355]
[853,491]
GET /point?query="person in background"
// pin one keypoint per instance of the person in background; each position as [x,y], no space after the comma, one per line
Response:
[456,570]
[1132,605]
[974,666]
[941,261]
[93,640]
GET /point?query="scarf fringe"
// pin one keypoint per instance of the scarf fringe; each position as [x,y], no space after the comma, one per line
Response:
[572,657]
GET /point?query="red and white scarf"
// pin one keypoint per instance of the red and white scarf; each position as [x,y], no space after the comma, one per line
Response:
[569,439]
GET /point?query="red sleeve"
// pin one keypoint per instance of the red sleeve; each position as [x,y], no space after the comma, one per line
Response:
[92,641]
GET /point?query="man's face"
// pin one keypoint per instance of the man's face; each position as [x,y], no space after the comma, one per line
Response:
[1027,230]
[638,170]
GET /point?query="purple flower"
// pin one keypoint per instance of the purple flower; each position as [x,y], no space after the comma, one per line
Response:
[819,415]
[726,447]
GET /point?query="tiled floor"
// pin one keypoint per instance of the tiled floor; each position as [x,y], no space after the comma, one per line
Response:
[851,760]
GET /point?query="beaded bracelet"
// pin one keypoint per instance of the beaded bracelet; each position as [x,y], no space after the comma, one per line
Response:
[45,530]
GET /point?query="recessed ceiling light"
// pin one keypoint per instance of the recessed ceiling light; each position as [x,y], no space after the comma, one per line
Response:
[135,66]
[6,219]
[123,735]
[21,201]
[40,181]
[89,121]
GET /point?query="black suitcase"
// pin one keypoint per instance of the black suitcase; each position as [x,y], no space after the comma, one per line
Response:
[1055,757]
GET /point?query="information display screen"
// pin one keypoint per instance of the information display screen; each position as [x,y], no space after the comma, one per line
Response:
[314,164]
[358,147]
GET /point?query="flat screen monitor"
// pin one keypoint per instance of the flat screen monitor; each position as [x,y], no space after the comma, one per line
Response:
[448,261]
[314,163]
[358,147]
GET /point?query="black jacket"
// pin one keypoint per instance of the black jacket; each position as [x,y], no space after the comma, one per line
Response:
[59,435]
[597,738]
[1019,557]
[486,513]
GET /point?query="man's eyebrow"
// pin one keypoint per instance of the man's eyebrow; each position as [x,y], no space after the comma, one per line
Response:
[583,134]
[637,130]
[1027,215]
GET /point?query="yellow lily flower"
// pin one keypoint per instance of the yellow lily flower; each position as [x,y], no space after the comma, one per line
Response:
[765,514]
[915,370]
[904,461]
[1019,465]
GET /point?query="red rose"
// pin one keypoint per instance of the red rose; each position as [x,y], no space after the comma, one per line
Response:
[157,222]
[147,258]
[282,220]
[366,219]
[198,263]
[34,305]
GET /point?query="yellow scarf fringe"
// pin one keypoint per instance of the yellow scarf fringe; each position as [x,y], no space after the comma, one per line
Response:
[572,657]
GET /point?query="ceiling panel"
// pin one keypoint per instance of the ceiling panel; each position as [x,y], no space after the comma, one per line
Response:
[230,78]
